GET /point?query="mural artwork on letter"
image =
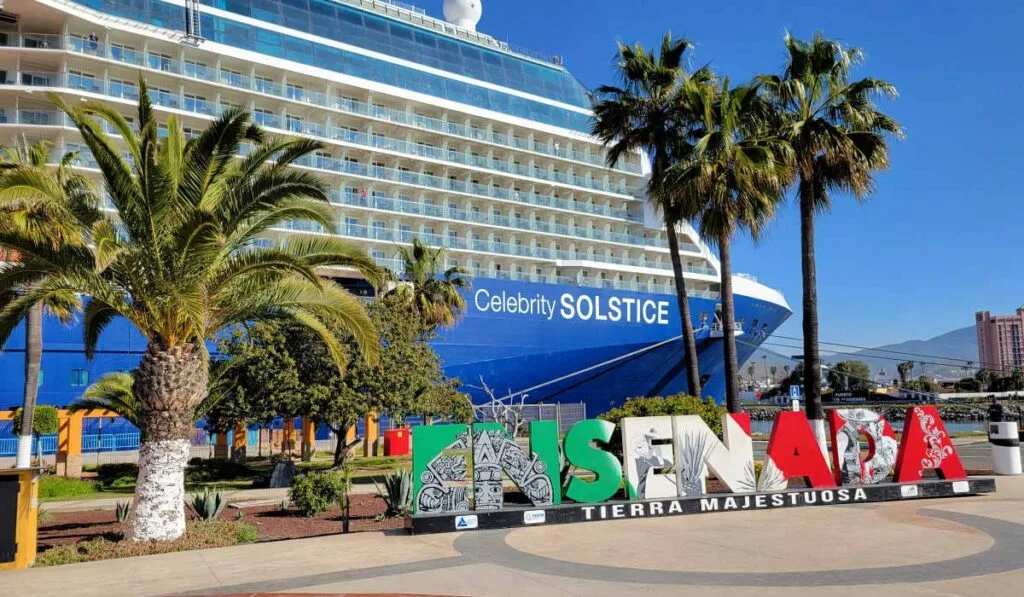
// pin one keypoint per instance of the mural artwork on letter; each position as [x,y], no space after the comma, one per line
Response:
[848,467]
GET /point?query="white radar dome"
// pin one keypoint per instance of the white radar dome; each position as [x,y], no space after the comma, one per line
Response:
[463,13]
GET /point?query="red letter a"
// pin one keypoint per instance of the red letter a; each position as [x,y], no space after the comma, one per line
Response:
[926,445]
[795,453]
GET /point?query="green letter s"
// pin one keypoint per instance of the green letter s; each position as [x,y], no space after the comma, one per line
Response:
[580,452]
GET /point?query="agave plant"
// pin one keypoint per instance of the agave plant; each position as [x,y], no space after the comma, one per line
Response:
[122,510]
[209,504]
[397,494]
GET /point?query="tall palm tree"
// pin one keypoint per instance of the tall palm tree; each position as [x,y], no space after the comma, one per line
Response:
[180,263]
[432,290]
[732,181]
[838,138]
[52,206]
[647,112]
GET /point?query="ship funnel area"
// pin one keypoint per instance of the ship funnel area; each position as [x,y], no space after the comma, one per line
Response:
[463,13]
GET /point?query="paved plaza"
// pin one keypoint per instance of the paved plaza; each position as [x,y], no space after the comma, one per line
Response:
[964,546]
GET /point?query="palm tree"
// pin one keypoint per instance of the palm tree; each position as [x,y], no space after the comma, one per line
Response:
[432,291]
[732,181]
[775,372]
[750,372]
[905,370]
[838,138]
[647,113]
[50,205]
[181,264]
[113,392]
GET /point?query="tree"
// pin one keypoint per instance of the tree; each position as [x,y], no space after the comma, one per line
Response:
[731,181]
[113,392]
[849,376]
[51,206]
[181,265]
[838,139]
[432,290]
[411,375]
[45,422]
[648,112]
[905,369]
[750,371]
[775,371]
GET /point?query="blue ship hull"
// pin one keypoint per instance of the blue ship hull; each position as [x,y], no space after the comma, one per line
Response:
[555,343]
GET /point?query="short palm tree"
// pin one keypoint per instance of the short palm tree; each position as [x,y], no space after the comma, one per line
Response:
[52,205]
[180,262]
[113,392]
[732,181]
[647,112]
[838,139]
[431,290]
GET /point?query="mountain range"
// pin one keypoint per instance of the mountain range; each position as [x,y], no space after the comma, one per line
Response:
[944,356]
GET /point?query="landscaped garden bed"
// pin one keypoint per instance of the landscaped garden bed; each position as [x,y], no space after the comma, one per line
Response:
[69,537]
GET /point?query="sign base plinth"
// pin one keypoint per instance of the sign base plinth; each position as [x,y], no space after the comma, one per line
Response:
[513,517]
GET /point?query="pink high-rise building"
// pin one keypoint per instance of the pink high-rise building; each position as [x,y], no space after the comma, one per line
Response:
[1000,340]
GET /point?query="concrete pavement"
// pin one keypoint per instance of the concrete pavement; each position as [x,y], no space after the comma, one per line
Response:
[963,546]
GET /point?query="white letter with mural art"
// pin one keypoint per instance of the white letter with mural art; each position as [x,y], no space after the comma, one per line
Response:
[694,449]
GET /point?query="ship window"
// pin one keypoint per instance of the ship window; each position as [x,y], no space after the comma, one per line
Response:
[160,61]
[195,69]
[124,53]
[79,377]
[264,84]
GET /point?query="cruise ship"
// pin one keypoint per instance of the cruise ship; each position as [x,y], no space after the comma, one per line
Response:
[432,131]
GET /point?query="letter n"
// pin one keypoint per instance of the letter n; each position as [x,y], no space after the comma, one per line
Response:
[793,452]
[926,445]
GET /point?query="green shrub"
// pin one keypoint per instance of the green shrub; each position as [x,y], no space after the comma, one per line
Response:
[315,492]
[199,535]
[680,404]
[397,494]
[62,487]
[45,421]
[215,469]
[123,474]
[208,504]
[246,533]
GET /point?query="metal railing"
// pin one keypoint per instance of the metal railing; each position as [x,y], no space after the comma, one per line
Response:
[198,71]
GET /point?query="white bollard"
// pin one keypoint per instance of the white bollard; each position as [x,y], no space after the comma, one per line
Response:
[1005,447]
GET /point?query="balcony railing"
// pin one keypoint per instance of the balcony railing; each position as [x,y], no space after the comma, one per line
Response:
[271,120]
[120,53]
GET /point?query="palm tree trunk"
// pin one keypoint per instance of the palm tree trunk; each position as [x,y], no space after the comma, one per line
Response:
[732,367]
[169,383]
[812,357]
[33,362]
[686,322]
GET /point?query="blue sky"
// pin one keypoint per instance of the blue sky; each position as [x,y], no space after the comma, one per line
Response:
[943,235]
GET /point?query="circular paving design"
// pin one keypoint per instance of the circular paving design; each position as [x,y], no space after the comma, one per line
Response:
[755,541]
[1005,542]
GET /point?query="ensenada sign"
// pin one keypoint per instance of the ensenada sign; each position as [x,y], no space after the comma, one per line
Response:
[459,470]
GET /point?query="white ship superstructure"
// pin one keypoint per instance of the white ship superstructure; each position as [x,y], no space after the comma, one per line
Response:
[432,130]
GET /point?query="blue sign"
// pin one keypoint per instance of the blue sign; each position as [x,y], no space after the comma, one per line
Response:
[794,391]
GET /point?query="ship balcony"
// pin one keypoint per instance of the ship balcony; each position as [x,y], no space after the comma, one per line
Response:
[381,232]
[399,176]
[492,218]
[121,51]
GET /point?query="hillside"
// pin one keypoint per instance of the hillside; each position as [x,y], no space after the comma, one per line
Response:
[960,344]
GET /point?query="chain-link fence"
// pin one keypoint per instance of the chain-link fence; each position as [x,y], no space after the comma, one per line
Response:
[565,414]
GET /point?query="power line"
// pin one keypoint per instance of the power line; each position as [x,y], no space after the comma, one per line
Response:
[853,356]
[913,354]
